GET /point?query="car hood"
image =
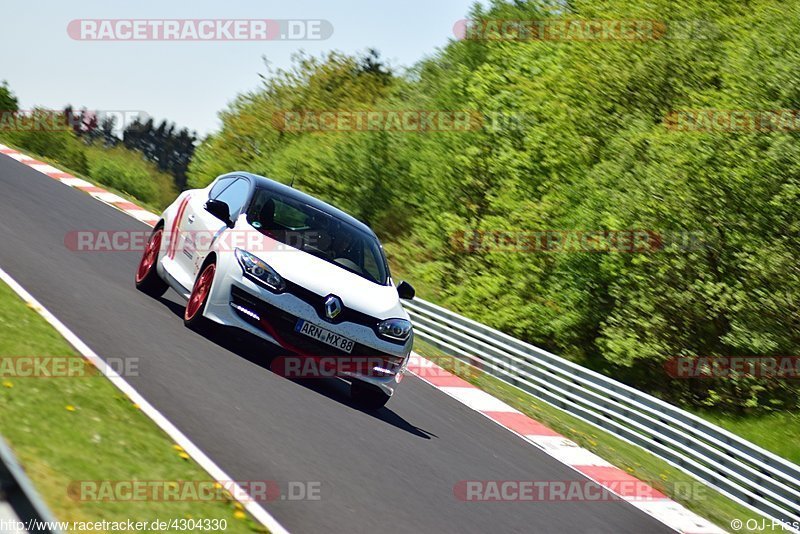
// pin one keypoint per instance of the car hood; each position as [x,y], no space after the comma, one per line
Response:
[325,278]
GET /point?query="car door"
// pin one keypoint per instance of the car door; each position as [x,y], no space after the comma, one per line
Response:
[189,232]
[203,229]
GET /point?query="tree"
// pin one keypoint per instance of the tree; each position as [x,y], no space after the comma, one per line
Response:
[593,152]
[8,102]
[166,146]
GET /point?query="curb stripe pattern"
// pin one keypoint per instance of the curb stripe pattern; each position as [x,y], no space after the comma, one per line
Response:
[583,461]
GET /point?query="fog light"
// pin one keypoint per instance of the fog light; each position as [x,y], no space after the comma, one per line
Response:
[245,311]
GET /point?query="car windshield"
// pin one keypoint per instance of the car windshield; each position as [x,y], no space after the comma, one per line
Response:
[318,233]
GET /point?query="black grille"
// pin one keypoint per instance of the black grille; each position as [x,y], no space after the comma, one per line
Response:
[347,315]
[284,323]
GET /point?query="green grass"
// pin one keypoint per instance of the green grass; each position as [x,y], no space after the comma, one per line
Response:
[777,432]
[703,500]
[83,428]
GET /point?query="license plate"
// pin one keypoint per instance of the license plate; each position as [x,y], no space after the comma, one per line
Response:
[325,336]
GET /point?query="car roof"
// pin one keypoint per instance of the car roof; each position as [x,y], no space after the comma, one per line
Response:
[295,194]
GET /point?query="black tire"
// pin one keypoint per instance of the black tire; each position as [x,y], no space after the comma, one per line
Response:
[368,397]
[193,315]
[147,279]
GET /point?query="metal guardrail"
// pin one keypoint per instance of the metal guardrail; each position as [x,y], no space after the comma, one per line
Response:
[741,470]
[17,490]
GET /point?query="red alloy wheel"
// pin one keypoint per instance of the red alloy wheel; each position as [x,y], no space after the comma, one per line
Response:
[149,256]
[200,292]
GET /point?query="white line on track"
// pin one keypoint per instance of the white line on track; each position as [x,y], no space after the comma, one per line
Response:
[216,472]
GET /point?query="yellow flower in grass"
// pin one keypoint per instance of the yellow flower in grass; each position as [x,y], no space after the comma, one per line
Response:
[238,514]
[177,448]
[70,408]
[183,455]
[238,506]
[7,384]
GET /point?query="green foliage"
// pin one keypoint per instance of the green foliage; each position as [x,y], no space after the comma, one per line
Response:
[169,148]
[8,102]
[127,171]
[118,167]
[56,143]
[575,139]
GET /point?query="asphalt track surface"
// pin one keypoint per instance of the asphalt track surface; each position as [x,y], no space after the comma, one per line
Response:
[393,470]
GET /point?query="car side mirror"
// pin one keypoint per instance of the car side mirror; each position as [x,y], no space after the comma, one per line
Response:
[220,210]
[405,291]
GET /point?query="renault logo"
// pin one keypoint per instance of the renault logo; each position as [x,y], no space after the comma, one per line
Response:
[333,306]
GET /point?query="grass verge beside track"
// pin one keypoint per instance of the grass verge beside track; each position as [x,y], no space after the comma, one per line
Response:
[777,432]
[707,503]
[69,429]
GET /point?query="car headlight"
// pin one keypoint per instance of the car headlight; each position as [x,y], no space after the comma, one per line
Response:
[395,329]
[259,270]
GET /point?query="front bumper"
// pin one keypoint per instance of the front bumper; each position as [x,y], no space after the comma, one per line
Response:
[239,302]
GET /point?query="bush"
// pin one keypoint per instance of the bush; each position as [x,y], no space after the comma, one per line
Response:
[57,144]
[128,171]
[51,144]
[74,157]
[116,173]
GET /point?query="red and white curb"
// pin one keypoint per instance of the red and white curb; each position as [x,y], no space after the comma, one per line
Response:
[564,450]
[651,501]
[78,183]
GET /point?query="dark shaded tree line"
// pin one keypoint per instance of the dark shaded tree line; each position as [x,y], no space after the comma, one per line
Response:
[164,144]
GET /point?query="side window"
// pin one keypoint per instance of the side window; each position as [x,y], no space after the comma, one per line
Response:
[220,185]
[235,196]
[371,264]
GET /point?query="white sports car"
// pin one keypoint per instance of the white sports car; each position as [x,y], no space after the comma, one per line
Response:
[255,254]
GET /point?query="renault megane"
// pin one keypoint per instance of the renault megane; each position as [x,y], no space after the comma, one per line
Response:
[261,256]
